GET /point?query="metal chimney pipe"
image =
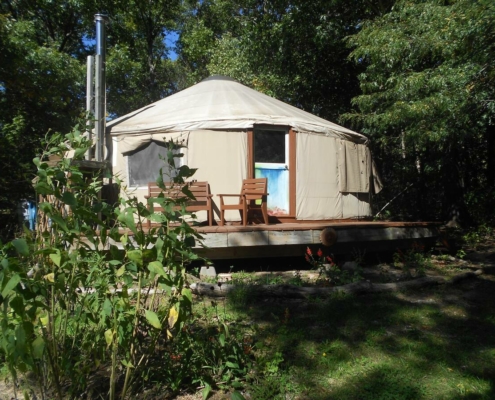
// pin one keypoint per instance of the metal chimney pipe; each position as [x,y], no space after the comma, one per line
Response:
[100,103]
[89,101]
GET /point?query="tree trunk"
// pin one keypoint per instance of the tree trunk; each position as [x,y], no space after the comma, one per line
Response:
[490,156]
[454,207]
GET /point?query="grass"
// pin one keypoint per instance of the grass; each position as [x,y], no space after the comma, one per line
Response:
[435,343]
[389,346]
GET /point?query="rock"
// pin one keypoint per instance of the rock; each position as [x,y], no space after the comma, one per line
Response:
[350,266]
[224,277]
[207,272]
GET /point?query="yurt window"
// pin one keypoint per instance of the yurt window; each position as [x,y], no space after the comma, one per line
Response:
[271,161]
[270,146]
[144,164]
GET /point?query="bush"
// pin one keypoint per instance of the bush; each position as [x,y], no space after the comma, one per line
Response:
[73,300]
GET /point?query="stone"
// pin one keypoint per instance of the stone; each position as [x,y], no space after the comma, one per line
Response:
[225,277]
[207,271]
[350,266]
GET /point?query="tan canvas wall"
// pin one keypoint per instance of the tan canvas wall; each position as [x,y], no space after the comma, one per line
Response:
[221,159]
[355,205]
[354,167]
[318,177]
[317,190]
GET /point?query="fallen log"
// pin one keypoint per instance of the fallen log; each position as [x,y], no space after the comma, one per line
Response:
[290,291]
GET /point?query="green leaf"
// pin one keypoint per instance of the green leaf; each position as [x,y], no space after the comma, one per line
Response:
[136,256]
[107,307]
[124,239]
[236,396]
[159,246]
[17,304]
[109,337]
[21,246]
[221,339]
[120,271]
[153,320]
[43,188]
[60,222]
[166,286]
[157,268]
[206,391]
[187,293]
[131,267]
[127,364]
[69,198]
[79,152]
[232,365]
[44,320]
[126,217]
[226,329]
[38,346]
[56,258]
[62,302]
[11,284]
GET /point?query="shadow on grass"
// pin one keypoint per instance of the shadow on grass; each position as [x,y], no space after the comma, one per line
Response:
[431,344]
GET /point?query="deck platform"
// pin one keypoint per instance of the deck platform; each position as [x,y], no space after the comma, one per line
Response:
[291,239]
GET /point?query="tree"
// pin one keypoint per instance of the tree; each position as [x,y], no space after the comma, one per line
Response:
[139,69]
[427,102]
[43,49]
[40,90]
[293,50]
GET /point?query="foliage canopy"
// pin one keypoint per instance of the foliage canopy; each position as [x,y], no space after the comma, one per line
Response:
[416,76]
[427,99]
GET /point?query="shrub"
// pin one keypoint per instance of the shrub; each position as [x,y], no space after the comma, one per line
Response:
[414,259]
[92,288]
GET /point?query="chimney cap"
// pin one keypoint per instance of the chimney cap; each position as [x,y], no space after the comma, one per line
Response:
[101,17]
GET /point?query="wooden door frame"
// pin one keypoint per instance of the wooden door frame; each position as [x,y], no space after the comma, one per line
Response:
[292,171]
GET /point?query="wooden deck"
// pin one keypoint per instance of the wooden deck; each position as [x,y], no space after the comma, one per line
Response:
[291,239]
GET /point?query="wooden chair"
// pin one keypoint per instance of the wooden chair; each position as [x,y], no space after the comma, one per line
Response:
[200,190]
[252,190]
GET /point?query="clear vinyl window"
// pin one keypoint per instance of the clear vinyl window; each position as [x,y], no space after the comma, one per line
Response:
[144,164]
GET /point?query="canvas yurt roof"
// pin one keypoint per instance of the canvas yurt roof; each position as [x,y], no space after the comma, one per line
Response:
[221,103]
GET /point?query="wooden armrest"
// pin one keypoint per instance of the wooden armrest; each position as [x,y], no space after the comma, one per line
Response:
[255,192]
[231,195]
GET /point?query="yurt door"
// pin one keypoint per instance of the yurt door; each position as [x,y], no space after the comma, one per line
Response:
[271,160]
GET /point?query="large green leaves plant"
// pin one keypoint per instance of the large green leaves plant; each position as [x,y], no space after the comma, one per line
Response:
[93,287]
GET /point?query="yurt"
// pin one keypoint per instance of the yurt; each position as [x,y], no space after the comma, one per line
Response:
[316,170]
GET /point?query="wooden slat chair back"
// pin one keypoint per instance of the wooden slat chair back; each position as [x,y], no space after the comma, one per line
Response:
[200,190]
[251,191]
